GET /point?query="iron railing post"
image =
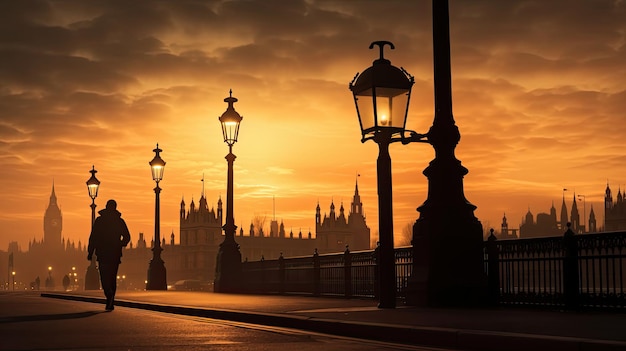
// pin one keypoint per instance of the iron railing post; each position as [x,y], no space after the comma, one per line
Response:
[571,283]
[493,269]
[281,274]
[347,265]
[316,273]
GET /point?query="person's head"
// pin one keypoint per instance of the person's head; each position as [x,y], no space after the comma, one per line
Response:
[111,205]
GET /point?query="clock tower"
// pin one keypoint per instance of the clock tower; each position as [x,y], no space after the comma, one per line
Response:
[52,223]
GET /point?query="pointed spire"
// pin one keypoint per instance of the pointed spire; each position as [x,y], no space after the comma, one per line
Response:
[202,180]
[53,196]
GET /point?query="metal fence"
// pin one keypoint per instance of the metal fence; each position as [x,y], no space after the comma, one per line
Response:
[570,271]
[349,274]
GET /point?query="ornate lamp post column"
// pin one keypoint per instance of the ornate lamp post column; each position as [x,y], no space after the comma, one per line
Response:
[228,266]
[447,238]
[156,271]
[92,278]
[381,95]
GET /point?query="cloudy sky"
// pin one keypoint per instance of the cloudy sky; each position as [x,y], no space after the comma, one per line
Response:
[538,94]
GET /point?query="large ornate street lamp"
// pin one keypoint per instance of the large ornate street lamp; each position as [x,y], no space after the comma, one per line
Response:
[447,238]
[156,271]
[381,95]
[92,278]
[228,266]
[447,241]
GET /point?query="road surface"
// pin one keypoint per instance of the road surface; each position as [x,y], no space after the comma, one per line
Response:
[30,322]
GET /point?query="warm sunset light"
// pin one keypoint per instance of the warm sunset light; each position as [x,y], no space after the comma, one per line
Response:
[538,93]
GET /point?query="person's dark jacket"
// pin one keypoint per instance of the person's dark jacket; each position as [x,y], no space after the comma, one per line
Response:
[108,236]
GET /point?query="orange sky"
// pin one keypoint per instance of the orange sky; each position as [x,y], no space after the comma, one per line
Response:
[538,95]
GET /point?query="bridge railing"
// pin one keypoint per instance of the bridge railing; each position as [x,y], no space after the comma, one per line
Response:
[349,274]
[570,271]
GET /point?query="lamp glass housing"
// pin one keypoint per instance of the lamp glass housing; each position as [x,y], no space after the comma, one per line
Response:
[381,94]
[230,127]
[93,184]
[157,165]
[381,108]
[93,190]
[230,121]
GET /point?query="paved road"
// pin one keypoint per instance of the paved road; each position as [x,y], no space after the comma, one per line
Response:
[492,329]
[31,322]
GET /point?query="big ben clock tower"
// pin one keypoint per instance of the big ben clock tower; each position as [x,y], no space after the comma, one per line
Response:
[52,223]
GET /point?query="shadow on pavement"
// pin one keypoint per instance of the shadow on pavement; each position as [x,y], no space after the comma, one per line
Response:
[49,317]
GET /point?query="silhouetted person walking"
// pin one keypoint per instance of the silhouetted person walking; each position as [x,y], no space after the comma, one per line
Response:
[108,236]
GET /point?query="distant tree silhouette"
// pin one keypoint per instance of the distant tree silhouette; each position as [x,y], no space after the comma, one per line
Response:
[405,237]
[259,223]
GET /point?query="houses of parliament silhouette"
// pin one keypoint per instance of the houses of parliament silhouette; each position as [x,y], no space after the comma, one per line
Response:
[547,224]
[194,257]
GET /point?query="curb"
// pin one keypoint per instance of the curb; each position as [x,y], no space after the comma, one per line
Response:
[462,339]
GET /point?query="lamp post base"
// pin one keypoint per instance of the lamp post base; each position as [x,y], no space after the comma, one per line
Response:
[92,277]
[449,269]
[156,272]
[156,276]
[228,268]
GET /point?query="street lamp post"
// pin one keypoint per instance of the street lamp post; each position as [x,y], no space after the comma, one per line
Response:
[228,265]
[156,271]
[92,280]
[447,237]
[381,95]
[50,284]
[13,275]
[73,274]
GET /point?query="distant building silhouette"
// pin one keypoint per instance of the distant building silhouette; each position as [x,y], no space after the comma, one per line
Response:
[335,232]
[53,224]
[53,251]
[201,234]
[546,224]
[505,232]
[195,256]
[614,212]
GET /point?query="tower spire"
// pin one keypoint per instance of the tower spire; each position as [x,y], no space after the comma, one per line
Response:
[202,180]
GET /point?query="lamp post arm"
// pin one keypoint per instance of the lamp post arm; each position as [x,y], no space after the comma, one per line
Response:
[415,138]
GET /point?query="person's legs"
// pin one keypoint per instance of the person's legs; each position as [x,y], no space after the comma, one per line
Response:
[108,276]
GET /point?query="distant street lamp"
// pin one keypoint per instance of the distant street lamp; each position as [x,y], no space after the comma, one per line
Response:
[381,95]
[156,271]
[92,277]
[13,275]
[73,275]
[50,284]
[228,266]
